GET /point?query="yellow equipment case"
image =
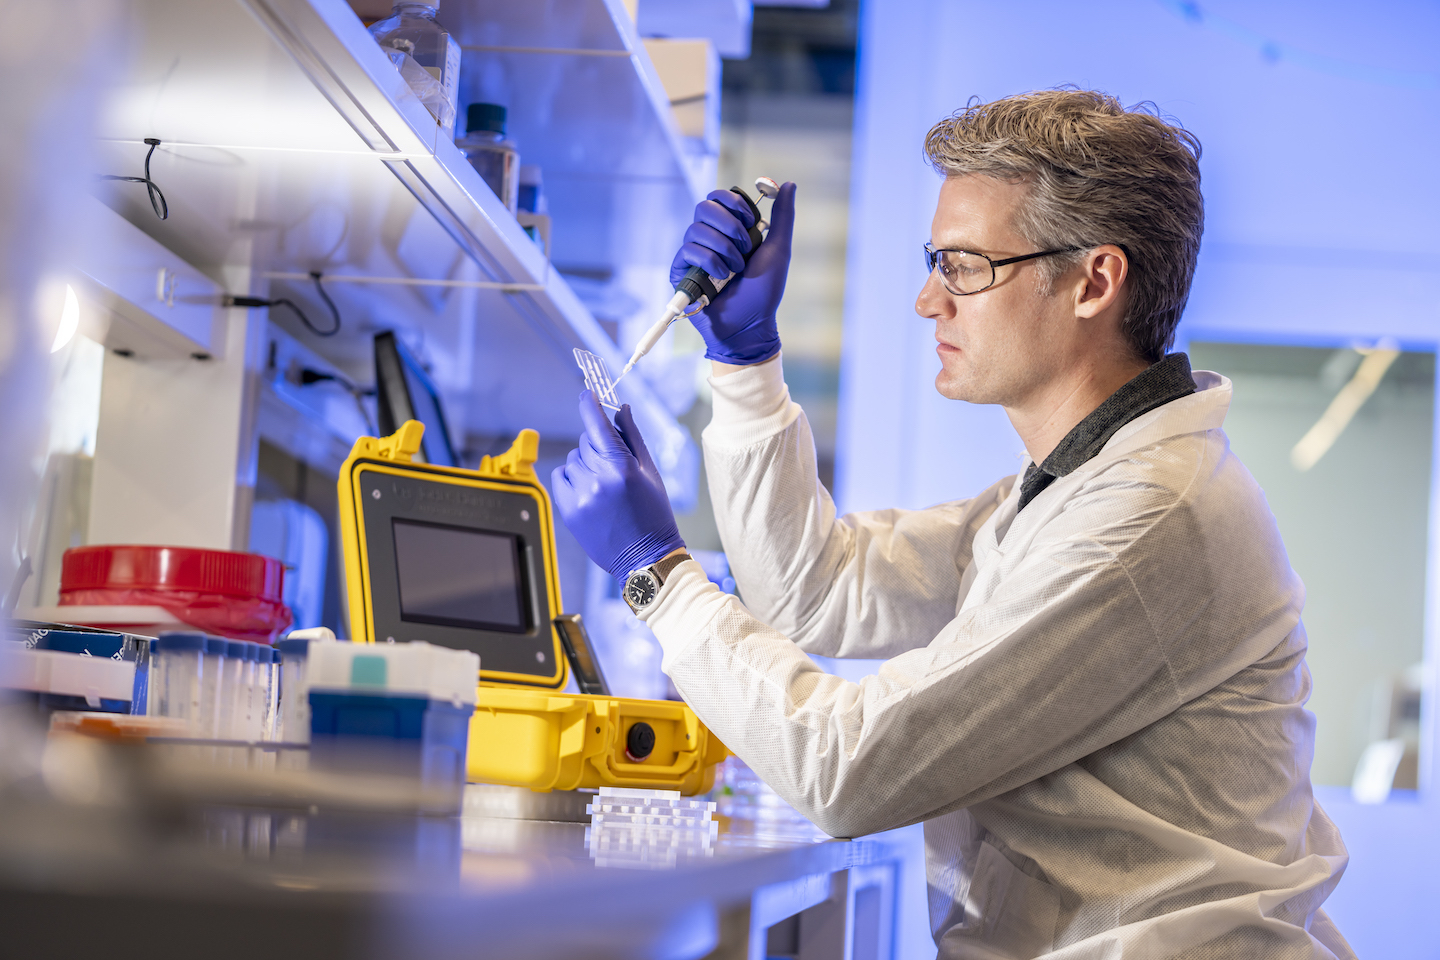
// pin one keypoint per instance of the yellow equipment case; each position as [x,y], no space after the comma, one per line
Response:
[466,559]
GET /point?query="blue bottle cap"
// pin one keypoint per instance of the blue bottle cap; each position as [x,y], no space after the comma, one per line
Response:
[217,645]
[274,655]
[256,652]
[235,649]
[180,641]
[293,646]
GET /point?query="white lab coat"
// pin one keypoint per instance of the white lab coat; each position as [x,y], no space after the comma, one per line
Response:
[1095,705]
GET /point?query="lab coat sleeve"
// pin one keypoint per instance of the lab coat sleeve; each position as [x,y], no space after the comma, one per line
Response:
[863,585]
[1065,657]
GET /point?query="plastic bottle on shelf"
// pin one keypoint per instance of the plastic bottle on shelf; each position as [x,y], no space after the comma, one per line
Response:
[426,56]
[493,157]
[532,190]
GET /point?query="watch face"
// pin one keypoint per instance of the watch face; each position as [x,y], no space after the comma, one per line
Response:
[640,589]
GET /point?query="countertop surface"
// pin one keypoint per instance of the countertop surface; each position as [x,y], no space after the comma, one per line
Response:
[248,881]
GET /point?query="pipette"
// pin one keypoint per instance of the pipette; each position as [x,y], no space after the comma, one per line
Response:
[697,288]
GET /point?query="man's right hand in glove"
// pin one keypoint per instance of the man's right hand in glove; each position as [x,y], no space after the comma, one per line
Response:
[739,326]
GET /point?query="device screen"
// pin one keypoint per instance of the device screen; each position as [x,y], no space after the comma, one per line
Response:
[459,577]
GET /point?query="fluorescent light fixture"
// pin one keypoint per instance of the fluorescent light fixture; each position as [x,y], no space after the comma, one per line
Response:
[1320,438]
[69,320]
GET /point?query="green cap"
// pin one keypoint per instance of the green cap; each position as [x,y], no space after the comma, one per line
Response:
[485,116]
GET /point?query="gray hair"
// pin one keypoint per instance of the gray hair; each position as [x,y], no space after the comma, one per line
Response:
[1098,174]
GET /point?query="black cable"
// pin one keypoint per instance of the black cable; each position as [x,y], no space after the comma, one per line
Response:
[157,199]
[316,275]
[231,301]
[310,376]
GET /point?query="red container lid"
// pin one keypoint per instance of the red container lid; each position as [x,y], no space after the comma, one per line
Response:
[139,566]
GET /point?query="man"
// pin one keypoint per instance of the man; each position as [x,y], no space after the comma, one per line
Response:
[1096,676]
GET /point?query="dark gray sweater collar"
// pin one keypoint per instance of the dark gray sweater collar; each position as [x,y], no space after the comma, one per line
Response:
[1156,386]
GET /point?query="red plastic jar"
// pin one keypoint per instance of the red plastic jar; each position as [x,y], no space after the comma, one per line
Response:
[236,595]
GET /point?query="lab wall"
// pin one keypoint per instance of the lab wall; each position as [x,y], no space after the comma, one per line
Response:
[1318,127]
[1320,212]
[1353,524]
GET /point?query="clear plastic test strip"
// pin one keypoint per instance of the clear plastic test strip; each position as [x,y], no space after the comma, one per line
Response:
[597,378]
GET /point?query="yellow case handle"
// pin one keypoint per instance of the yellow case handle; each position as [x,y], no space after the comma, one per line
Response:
[518,461]
[400,447]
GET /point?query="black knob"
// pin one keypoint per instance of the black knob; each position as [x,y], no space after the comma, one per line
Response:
[639,742]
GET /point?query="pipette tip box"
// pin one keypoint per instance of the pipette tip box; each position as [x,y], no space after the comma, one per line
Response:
[399,709]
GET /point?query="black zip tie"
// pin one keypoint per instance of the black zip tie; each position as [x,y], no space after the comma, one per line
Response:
[157,199]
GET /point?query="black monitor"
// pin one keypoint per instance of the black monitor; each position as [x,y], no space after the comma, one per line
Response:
[459,576]
[404,391]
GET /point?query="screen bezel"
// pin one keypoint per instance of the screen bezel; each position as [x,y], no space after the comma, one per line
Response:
[534,658]
[518,569]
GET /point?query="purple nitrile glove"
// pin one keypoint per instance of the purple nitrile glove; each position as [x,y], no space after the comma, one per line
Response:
[739,327]
[611,496]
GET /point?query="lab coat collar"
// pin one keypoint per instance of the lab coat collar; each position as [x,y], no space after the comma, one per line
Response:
[1202,410]
[1159,384]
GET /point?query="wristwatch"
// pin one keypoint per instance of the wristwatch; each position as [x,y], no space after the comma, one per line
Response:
[643,586]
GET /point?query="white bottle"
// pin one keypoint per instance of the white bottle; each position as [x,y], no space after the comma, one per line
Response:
[426,56]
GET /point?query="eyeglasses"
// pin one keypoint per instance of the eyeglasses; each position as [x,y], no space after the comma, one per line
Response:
[964,273]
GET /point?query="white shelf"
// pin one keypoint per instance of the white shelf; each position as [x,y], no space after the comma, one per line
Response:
[291,144]
[726,23]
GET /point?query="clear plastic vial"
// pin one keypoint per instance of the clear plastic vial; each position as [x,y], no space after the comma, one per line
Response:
[182,666]
[426,56]
[208,726]
[270,690]
[254,706]
[496,159]
[232,687]
[294,708]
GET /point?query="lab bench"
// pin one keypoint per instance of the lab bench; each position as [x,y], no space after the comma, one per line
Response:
[252,882]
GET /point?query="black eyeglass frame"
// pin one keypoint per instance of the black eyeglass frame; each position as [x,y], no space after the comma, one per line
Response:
[932,258]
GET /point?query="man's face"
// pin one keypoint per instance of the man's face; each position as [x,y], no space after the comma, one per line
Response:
[1001,344]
